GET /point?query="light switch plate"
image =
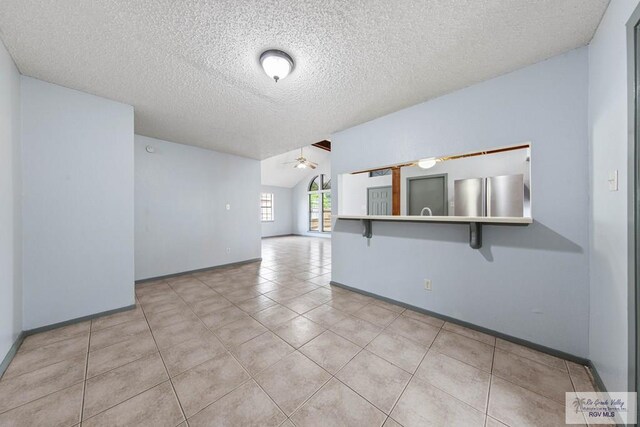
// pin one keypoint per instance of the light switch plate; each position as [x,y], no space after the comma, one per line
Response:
[613,180]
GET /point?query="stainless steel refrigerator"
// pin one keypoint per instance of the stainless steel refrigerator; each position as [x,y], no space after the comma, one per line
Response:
[469,197]
[494,196]
[505,195]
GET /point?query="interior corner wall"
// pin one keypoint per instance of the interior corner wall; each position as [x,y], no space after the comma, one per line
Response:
[528,282]
[608,142]
[282,224]
[301,202]
[181,220]
[77,159]
[10,205]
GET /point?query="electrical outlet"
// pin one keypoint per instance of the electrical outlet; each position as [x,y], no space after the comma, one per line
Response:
[228,250]
[427,284]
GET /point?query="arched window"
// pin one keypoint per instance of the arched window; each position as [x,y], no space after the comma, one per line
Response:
[320,204]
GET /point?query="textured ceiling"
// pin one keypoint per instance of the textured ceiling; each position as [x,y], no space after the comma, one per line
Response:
[190,68]
[276,172]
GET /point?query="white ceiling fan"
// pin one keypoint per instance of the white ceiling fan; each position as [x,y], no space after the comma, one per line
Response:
[302,162]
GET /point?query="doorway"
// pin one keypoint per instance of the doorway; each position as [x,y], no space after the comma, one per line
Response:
[427,192]
[379,200]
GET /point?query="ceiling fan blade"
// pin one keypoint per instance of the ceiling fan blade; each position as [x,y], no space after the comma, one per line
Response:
[311,165]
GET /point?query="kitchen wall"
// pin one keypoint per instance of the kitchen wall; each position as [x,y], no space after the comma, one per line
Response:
[10,205]
[608,139]
[540,270]
[181,220]
[78,203]
[301,202]
[282,223]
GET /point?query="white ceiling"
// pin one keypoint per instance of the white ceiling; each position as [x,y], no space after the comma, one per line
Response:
[190,68]
[276,172]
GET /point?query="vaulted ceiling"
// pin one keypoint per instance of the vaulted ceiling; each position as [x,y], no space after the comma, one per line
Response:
[190,68]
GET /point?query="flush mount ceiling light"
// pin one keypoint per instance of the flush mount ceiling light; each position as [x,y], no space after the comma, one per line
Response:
[276,63]
[427,163]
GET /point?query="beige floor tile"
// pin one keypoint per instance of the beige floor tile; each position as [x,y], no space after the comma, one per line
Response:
[389,306]
[117,318]
[330,351]
[462,381]
[422,404]
[581,377]
[283,294]
[39,357]
[210,305]
[242,294]
[61,408]
[265,287]
[34,341]
[534,376]
[375,379]
[346,304]
[337,405]
[470,333]
[301,304]
[240,331]
[193,352]
[194,296]
[224,316]
[256,304]
[529,353]
[115,386]
[159,297]
[516,406]
[298,331]
[247,406]
[118,333]
[261,352]
[398,350]
[425,318]
[204,384]
[107,358]
[467,350]
[356,330]
[160,306]
[171,317]
[178,333]
[291,381]
[490,422]
[36,384]
[157,406]
[420,332]
[326,316]
[274,316]
[321,295]
[391,423]
[377,315]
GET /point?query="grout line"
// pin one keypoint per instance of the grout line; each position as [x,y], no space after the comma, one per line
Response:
[86,372]
[228,350]
[163,362]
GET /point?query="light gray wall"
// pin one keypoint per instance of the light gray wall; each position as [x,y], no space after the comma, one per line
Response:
[301,203]
[181,219]
[529,282]
[608,141]
[78,203]
[282,223]
[10,204]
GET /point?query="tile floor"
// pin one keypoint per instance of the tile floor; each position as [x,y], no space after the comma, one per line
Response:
[272,343]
